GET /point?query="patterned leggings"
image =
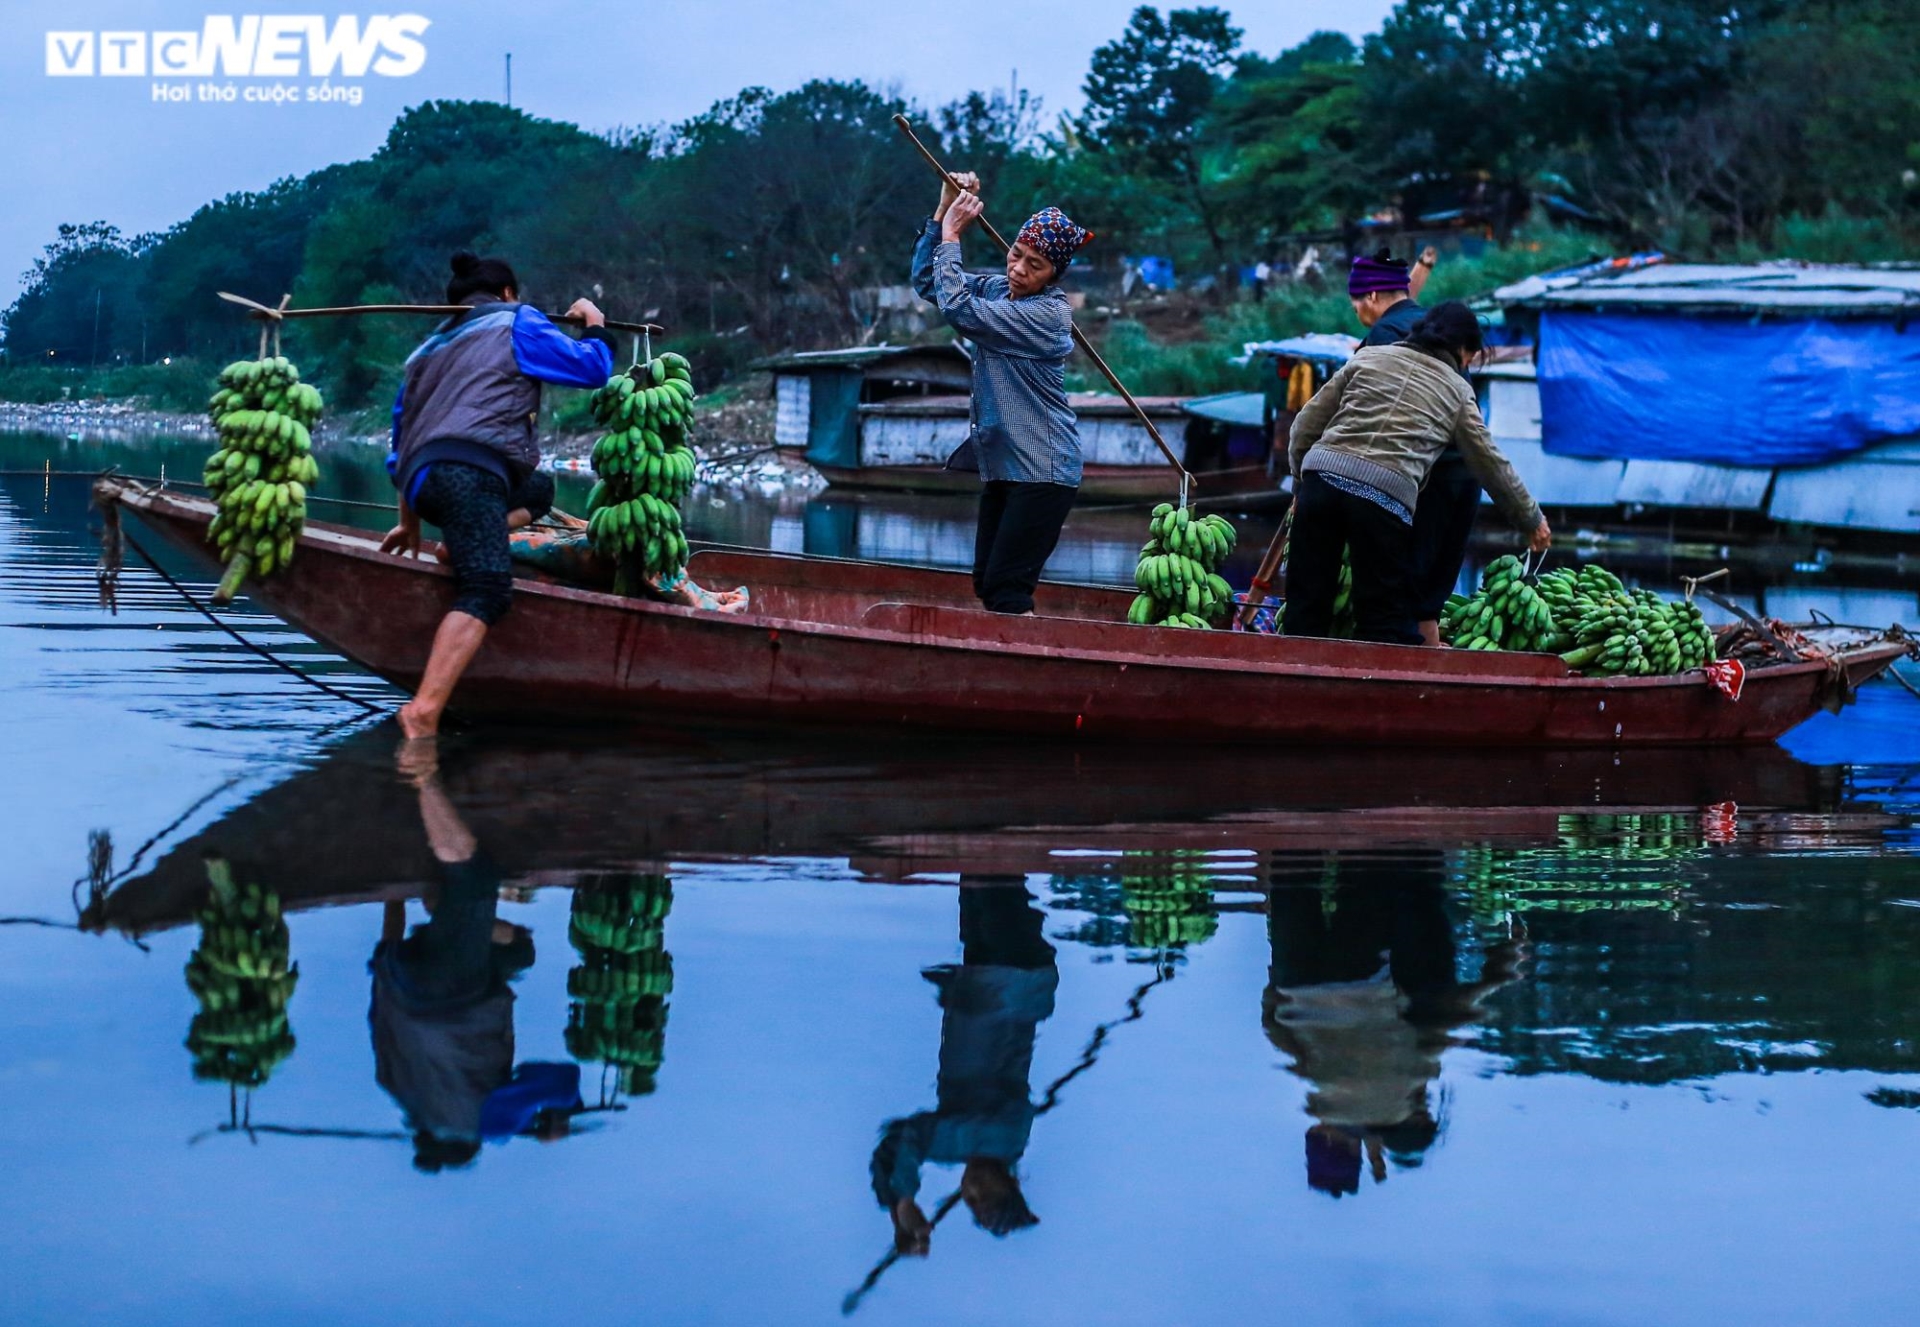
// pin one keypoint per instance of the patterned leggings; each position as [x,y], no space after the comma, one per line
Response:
[470,506]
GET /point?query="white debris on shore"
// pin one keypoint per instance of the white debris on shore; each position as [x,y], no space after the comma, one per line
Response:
[754,471]
[111,420]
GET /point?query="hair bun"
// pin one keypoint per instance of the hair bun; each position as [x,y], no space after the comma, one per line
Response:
[464,263]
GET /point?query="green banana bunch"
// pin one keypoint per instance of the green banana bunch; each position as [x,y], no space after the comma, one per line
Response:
[619,990]
[1177,574]
[1587,617]
[1507,613]
[260,474]
[644,465]
[242,977]
[1344,621]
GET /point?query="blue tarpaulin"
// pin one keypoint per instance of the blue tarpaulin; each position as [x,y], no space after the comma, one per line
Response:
[1670,387]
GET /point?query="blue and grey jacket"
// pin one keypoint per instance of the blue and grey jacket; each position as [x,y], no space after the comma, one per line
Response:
[1022,427]
[472,390]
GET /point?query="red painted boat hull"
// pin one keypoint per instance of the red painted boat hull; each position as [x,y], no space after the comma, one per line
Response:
[854,643]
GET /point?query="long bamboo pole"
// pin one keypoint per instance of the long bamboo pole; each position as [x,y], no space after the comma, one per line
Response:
[1079,337]
[268,313]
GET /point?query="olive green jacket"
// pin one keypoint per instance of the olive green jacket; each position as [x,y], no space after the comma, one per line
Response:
[1385,418]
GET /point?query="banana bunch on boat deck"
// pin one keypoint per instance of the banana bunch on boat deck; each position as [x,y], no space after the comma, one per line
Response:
[259,477]
[1587,617]
[1345,623]
[645,468]
[1177,574]
[241,976]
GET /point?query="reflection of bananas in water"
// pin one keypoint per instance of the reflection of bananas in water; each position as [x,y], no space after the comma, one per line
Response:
[619,990]
[1171,907]
[241,976]
[1603,863]
[1164,902]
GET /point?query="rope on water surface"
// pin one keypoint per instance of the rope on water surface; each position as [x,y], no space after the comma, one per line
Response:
[273,659]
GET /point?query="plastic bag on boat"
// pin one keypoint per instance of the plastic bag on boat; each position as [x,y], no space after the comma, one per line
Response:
[567,555]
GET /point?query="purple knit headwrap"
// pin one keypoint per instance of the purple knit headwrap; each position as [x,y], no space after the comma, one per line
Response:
[1052,233]
[1376,272]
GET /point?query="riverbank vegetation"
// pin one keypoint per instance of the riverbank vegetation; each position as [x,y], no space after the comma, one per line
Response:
[1532,138]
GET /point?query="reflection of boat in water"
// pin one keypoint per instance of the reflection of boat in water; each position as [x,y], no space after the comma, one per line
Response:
[850,643]
[348,829]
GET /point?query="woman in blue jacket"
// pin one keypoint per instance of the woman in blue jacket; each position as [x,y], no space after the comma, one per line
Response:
[466,456]
[1023,437]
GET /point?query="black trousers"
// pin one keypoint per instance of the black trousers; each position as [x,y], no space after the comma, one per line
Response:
[1442,523]
[1327,521]
[470,505]
[1019,527]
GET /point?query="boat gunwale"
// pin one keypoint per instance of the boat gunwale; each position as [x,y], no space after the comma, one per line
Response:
[359,544]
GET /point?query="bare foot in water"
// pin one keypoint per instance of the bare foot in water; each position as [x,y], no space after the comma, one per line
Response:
[417,721]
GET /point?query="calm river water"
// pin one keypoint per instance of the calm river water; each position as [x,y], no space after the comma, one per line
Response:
[1144,1036]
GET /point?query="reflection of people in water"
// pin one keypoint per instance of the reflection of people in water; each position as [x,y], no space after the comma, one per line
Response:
[991,1006]
[1363,995]
[442,1012]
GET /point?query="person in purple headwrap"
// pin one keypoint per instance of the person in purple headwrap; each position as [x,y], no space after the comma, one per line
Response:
[1385,292]
[1023,438]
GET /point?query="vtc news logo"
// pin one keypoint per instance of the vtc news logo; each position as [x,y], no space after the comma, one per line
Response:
[248,46]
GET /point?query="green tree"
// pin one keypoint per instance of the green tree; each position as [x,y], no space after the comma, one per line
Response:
[78,301]
[1293,140]
[1148,93]
[986,132]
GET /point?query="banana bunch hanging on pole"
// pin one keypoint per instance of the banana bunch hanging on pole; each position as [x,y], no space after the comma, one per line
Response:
[645,468]
[1177,575]
[260,475]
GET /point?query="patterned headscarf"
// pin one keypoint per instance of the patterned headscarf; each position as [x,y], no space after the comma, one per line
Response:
[1052,234]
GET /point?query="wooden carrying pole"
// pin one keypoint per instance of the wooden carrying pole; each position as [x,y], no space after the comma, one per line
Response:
[1269,569]
[262,311]
[1079,337]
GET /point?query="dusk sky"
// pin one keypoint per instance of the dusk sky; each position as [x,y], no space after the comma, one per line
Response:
[86,148]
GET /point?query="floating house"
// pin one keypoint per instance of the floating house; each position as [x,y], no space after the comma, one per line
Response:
[888,417]
[818,393]
[1783,391]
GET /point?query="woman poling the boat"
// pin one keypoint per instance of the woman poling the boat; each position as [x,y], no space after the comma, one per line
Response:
[1360,451]
[465,455]
[1023,438]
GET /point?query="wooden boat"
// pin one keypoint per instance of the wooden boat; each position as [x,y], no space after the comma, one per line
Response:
[856,643]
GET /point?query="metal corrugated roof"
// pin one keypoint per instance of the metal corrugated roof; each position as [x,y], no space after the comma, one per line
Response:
[1242,409]
[1787,287]
[1336,347]
[855,357]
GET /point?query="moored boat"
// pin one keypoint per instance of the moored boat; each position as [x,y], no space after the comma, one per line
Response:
[856,643]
